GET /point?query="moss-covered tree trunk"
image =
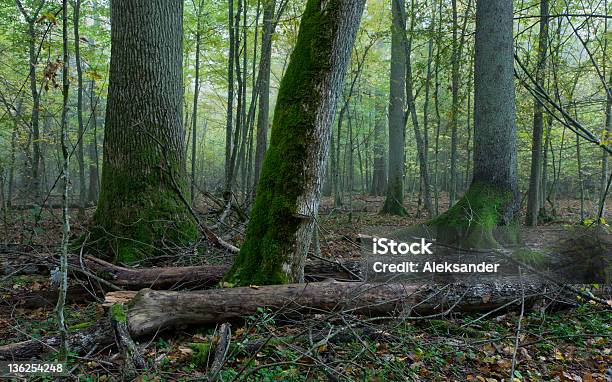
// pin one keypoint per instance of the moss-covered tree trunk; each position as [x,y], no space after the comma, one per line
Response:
[492,200]
[139,209]
[289,190]
[397,117]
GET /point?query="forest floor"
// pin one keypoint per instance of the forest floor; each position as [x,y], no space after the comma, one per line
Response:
[553,345]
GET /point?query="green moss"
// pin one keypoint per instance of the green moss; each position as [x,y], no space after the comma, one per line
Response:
[139,214]
[200,353]
[529,257]
[473,221]
[271,232]
[82,325]
[117,313]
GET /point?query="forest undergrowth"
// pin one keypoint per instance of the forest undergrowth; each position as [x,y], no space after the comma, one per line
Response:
[553,344]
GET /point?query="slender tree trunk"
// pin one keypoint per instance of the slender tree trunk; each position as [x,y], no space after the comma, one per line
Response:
[455,106]
[394,202]
[470,133]
[264,88]
[437,107]
[80,152]
[535,181]
[11,175]
[379,173]
[231,179]
[196,93]
[59,308]
[351,164]
[605,157]
[34,121]
[94,173]
[243,113]
[420,137]
[230,101]
[580,180]
[249,189]
[280,230]
[144,179]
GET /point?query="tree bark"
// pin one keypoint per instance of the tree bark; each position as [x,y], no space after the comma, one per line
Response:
[35,119]
[394,202]
[279,232]
[144,178]
[196,93]
[230,100]
[379,172]
[80,151]
[263,77]
[421,137]
[492,201]
[151,311]
[605,158]
[535,179]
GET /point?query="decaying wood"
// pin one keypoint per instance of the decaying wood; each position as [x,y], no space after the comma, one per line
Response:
[173,278]
[79,342]
[223,345]
[133,361]
[152,310]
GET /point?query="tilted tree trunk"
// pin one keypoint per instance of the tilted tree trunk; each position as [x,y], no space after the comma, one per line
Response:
[144,175]
[288,195]
[264,88]
[535,179]
[397,121]
[492,200]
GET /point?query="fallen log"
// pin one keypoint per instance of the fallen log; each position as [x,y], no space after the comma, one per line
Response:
[150,311]
[192,277]
[79,342]
[172,278]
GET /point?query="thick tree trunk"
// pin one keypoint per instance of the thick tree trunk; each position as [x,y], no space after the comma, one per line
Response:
[264,88]
[492,201]
[289,191]
[397,120]
[144,179]
[535,179]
